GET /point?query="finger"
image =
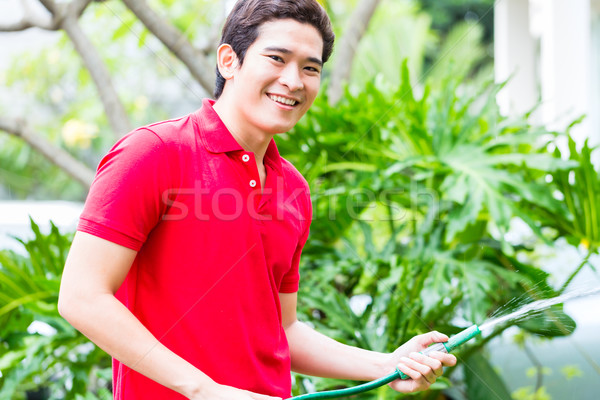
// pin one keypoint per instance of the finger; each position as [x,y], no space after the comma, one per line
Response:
[430,368]
[406,367]
[448,360]
[424,369]
[409,386]
[437,337]
[416,382]
[434,364]
[431,337]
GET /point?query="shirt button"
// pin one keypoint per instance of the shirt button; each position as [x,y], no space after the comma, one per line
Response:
[252,183]
[245,158]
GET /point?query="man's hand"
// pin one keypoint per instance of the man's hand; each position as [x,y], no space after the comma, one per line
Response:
[222,392]
[423,370]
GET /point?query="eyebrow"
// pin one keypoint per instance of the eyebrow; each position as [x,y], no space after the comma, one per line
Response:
[287,51]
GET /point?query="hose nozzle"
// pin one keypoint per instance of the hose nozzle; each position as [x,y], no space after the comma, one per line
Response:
[446,347]
[436,347]
[461,337]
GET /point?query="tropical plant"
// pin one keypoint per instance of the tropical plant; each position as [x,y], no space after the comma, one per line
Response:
[408,236]
[39,351]
[413,198]
[580,188]
[415,188]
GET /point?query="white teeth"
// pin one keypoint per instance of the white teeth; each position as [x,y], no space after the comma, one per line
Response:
[283,100]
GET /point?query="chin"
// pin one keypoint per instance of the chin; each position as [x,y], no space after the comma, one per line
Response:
[278,128]
[276,131]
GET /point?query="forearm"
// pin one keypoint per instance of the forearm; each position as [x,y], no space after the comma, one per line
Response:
[315,354]
[109,324]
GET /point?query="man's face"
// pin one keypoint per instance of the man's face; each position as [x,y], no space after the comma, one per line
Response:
[280,76]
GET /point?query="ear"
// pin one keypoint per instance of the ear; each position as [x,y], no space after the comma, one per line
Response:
[227,60]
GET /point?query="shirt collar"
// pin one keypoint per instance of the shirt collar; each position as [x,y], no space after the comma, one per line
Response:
[272,155]
[217,138]
[215,135]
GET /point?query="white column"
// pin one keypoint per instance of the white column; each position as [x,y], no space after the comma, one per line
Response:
[595,80]
[565,64]
[515,57]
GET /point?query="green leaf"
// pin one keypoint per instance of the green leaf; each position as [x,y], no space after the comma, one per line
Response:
[482,381]
[552,322]
[527,393]
[349,166]
[29,286]
[143,37]
[571,371]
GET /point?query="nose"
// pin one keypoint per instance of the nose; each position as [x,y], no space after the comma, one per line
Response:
[291,78]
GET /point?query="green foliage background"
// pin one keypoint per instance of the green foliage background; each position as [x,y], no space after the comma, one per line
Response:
[416,180]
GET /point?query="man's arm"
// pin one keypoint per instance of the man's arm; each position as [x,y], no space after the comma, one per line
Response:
[94,270]
[318,355]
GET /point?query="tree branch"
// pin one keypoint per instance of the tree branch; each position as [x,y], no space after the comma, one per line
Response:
[30,20]
[77,7]
[52,7]
[21,25]
[357,26]
[115,111]
[67,15]
[18,127]
[74,7]
[195,61]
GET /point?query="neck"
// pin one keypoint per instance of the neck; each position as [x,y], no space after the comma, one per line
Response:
[250,138]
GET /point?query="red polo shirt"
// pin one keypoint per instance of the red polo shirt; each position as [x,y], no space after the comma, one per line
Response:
[214,249]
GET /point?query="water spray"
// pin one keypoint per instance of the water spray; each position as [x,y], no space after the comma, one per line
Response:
[452,343]
[445,347]
[536,307]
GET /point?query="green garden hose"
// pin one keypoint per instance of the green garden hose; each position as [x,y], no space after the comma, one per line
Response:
[445,347]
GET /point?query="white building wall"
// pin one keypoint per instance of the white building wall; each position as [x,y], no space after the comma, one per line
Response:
[565,64]
[595,78]
[515,57]
[552,50]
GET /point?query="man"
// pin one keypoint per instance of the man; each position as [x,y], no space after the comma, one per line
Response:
[185,264]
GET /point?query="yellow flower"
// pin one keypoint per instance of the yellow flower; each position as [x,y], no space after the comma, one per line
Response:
[76,133]
[53,57]
[141,103]
[585,243]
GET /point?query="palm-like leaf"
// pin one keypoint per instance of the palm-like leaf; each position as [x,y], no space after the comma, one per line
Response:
[457,173]
[61,361]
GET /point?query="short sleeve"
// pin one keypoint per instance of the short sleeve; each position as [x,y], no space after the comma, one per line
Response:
[125,200]
[291,280]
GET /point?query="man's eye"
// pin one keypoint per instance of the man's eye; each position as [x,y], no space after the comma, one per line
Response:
[313,69]
[276,58]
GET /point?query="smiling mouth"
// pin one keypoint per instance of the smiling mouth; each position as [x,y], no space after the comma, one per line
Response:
[283,100]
